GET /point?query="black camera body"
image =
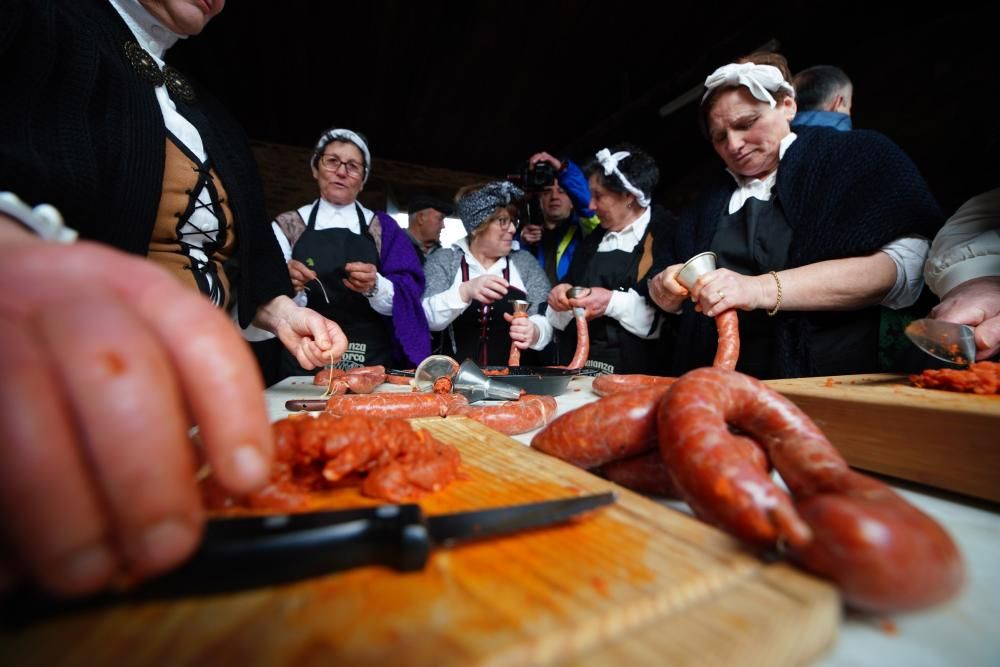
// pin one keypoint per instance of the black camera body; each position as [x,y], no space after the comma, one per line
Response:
[535,179]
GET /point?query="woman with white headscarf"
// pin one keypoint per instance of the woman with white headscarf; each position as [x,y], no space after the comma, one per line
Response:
[354,264]
[611,262]
[813,230]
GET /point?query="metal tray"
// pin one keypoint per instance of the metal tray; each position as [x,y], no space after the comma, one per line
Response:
[535,379]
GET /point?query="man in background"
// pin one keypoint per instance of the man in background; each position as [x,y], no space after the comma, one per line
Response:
[824,94]
[426,222]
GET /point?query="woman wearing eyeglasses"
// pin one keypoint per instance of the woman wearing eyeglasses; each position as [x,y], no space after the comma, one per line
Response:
[470,286]
[354,265]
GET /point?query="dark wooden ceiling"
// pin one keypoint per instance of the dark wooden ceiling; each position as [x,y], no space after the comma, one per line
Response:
[480,86]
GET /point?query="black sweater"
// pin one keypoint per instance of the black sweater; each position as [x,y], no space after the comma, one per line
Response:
[80,129]
[844,194]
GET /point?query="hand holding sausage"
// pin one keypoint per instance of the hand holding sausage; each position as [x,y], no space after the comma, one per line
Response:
[361,277]
[976,303]
[595,302]
[485,289]
[97,346]
[722,290]
[300,274]
[523,331]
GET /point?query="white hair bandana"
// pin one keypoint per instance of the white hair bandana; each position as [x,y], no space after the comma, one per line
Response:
[610,163]
[340,134]
[760,80]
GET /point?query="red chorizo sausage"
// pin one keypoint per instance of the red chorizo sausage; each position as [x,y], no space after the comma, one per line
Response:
[392,404]
[392,378]
[727,353]
[361,380]
[582,340]
[514,358]
[645,473]
[614,427]
[606,385]
[884,554]
[513,417]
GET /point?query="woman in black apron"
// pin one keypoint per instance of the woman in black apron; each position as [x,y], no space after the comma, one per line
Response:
[355,266]
[808,249]
[623,325]
[470,286]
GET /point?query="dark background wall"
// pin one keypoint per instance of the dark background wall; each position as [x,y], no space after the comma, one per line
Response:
[478,87]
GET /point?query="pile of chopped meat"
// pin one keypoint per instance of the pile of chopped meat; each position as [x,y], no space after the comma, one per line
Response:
[387,457]
[979,378]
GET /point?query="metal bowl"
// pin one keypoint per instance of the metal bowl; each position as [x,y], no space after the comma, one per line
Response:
[535,379]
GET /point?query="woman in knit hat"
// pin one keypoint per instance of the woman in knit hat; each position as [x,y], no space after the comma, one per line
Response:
[471,284]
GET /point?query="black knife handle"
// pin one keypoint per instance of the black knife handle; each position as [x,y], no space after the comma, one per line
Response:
[247,552]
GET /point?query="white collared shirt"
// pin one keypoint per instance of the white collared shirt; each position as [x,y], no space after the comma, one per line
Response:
[907,253]
[632,310]
[444,307]
[334,216]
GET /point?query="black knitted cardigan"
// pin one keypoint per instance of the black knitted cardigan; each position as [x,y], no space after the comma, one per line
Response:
[81,130]
[844,194]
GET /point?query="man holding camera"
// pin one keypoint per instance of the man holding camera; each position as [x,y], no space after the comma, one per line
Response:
[565,217]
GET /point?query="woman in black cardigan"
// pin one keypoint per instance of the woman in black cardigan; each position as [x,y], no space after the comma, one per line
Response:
[812,232]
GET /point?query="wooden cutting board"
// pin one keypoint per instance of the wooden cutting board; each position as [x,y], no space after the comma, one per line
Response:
[884,424]
[636,583]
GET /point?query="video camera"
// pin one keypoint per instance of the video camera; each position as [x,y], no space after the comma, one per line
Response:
[536,178]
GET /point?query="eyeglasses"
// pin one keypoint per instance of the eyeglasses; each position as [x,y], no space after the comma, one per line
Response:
[332,163]
[505,223]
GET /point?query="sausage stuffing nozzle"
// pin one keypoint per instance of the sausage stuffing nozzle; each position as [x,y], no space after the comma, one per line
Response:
[695,268]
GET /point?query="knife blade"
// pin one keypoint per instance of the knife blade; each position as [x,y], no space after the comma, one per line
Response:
[248,552]
[953,343]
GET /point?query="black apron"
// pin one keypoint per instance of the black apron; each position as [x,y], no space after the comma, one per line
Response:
[326,252]
[480,333]
[755,240]
[613,349]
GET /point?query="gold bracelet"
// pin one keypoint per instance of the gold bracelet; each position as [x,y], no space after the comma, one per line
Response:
[777,304]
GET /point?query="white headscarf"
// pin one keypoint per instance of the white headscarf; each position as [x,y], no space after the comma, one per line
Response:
[340,134]
[610,163]
[760,80]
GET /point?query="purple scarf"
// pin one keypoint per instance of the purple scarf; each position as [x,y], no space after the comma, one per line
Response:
[411,337]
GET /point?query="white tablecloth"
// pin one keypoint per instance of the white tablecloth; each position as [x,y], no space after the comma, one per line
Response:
[965,631]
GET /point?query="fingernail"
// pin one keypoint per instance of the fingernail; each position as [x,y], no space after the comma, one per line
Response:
[88,568]
[165,543]
[250,465]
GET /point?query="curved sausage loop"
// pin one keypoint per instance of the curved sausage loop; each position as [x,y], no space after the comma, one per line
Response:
[883,553]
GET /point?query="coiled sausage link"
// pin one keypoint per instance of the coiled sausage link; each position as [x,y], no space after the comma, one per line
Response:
[616,383]
[883,553]
[513,417]
[611,428]
[645,473]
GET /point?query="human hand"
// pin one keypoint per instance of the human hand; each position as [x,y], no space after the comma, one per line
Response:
[665,291]
[594,302]
[531,234]
[557,297]
[106,361]
[361,277]
[300,274]
[722,290]
[523,331]
[544,157]
[485,289]
[310,337]
[976,303]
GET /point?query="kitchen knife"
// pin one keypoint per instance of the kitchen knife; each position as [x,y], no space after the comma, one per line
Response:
[246,552]
[954,343]
[239,553]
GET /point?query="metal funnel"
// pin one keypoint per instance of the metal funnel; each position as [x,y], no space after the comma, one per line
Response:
[471,382]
